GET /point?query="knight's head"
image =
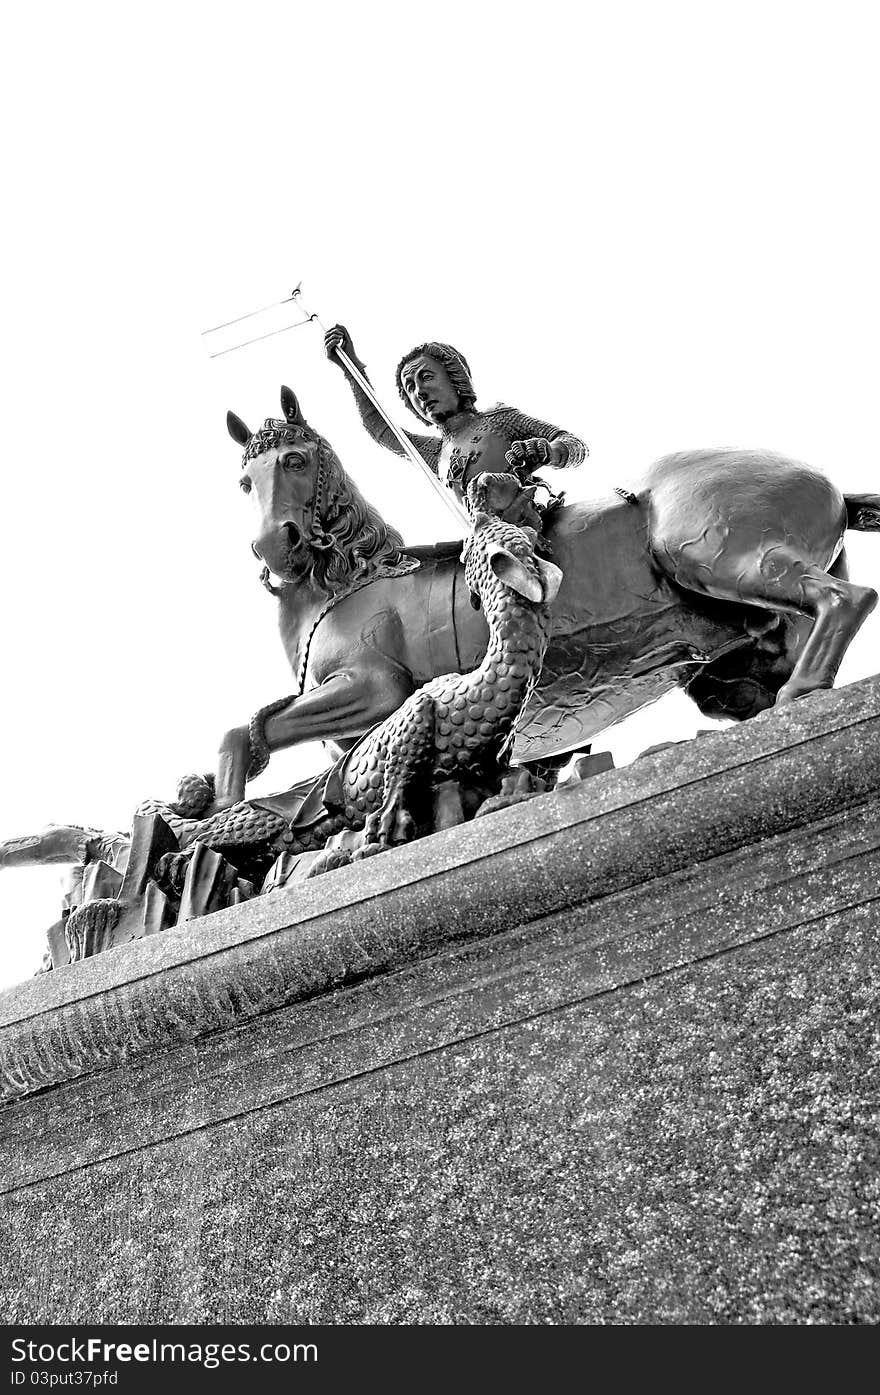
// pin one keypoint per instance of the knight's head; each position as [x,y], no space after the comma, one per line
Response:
[312,520]
[434,381]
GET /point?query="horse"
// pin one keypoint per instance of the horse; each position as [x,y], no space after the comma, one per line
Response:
[723,573]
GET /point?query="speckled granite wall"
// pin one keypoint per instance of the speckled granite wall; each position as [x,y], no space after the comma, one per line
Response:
[611,1055]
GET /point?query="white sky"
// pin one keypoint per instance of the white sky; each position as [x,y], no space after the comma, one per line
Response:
[655,224]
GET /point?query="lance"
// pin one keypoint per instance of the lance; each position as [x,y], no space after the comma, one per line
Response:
[447,497]
[288,300]
[249,316]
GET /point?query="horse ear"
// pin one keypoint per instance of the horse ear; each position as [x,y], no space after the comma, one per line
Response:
[512,573]
[291,408]
[237,429]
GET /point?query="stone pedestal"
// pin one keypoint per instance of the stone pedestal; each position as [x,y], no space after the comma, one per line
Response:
[609,1055]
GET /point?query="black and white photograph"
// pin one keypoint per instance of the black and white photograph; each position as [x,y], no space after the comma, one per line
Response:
[440,830]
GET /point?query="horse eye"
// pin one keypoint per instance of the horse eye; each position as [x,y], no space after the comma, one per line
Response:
[245,484]
[295,461]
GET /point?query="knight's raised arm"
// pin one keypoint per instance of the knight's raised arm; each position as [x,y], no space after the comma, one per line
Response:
[339,338]
[428,446]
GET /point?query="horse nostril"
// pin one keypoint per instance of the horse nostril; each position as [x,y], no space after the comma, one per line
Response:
[294,536]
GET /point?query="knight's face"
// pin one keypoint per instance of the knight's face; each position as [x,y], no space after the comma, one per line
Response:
[426,384]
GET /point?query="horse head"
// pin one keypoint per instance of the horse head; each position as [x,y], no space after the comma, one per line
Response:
[313,522]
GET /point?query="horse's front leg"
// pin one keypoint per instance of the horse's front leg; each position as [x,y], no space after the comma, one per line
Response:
[346,704]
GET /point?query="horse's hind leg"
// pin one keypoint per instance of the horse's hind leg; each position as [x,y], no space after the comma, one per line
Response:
[838,609]
[779,579]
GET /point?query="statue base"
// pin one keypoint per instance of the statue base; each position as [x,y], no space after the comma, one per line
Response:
[606,1056]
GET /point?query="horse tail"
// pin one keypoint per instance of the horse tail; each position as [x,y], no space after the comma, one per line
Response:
[863,512]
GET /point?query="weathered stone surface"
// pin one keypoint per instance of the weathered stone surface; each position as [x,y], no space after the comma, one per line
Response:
[609,1055]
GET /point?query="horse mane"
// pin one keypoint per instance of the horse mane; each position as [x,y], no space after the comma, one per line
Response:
[357,540]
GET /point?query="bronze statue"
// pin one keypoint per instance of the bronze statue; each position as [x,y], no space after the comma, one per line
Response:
[434,381]
[455,730]
[724,574]
[430,764]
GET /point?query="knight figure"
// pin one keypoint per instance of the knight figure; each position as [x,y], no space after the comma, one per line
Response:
[434,380]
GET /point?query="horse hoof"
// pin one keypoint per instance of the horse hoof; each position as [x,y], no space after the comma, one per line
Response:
[369,850]
[328,861]
[585,767]
[792,691]
[505,801]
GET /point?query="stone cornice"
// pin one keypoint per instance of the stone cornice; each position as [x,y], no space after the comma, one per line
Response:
[685,805]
